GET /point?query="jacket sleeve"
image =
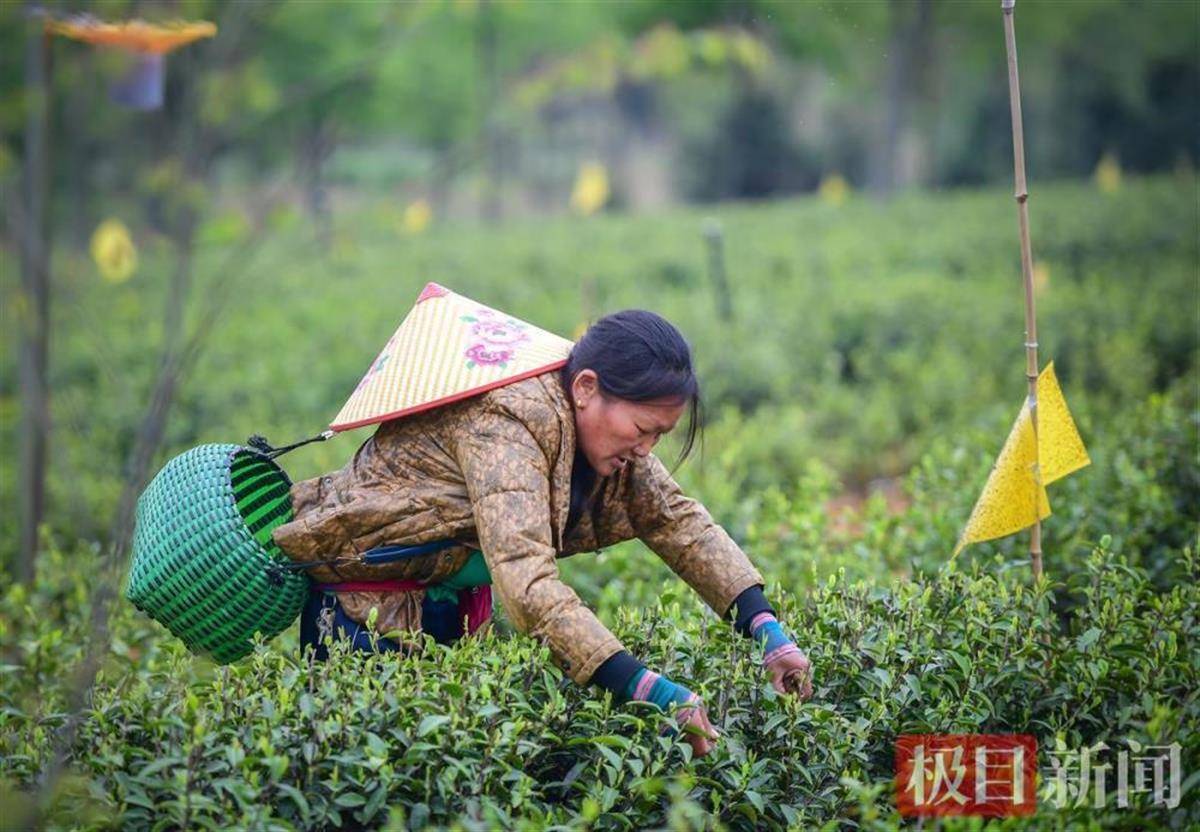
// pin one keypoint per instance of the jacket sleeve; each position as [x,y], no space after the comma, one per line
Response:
[681,531]
[507,476]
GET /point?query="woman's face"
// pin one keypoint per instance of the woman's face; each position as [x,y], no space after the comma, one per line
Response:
[612,431]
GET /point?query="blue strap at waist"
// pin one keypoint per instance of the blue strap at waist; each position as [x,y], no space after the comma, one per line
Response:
[391,554]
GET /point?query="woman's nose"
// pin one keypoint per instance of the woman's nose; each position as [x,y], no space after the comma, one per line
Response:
[643,448]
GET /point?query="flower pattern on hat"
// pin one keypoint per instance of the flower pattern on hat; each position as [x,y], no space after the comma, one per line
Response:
[496,338]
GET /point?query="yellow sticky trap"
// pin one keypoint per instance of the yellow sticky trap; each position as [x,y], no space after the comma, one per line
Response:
[591,189]
[417,217]
[1013,497]
[113,251]
[1060,448]
[834,190]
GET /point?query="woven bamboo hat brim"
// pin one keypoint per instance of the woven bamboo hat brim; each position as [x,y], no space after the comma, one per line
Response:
[448,348]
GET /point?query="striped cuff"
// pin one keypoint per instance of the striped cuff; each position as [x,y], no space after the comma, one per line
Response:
[765,629]
[648,686]
[645,684]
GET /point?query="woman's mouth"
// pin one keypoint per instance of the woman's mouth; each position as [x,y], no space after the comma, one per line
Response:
[619,462]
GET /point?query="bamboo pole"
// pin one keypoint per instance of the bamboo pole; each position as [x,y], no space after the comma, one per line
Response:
[1022,196]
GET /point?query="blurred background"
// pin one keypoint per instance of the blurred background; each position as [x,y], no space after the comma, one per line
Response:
[817,193]
[487,109]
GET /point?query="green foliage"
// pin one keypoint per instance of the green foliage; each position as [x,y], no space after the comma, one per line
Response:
[489,733]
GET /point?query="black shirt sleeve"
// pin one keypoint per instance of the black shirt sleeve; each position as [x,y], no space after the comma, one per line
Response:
[614,673]
[749,603]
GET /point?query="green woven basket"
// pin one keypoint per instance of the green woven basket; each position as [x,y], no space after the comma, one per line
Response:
[204,563]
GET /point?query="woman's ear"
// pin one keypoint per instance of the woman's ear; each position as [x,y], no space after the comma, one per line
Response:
[584,388]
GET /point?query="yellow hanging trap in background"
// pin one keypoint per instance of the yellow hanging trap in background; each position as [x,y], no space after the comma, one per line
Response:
[1014,497]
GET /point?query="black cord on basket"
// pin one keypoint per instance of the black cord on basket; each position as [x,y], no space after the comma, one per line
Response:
[277,572]
[260,444]
[275,575]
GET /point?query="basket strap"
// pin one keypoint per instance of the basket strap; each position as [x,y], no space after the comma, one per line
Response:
[390,554]
[259,443]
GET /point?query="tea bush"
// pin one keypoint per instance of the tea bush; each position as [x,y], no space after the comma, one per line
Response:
[490,733]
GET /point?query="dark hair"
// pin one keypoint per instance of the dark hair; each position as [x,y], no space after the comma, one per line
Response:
[639,356]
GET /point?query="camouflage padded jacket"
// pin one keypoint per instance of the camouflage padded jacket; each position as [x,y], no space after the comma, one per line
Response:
[493,472]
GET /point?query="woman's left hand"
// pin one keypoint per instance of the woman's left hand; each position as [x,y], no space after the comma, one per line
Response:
[792,673]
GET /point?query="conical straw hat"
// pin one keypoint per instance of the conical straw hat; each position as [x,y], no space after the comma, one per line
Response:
[447,348]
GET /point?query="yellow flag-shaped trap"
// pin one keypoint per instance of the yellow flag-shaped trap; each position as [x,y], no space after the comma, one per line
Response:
[448,348]
[1014,498]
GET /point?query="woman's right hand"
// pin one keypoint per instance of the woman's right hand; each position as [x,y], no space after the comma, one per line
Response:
[791,673]
[697,730]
